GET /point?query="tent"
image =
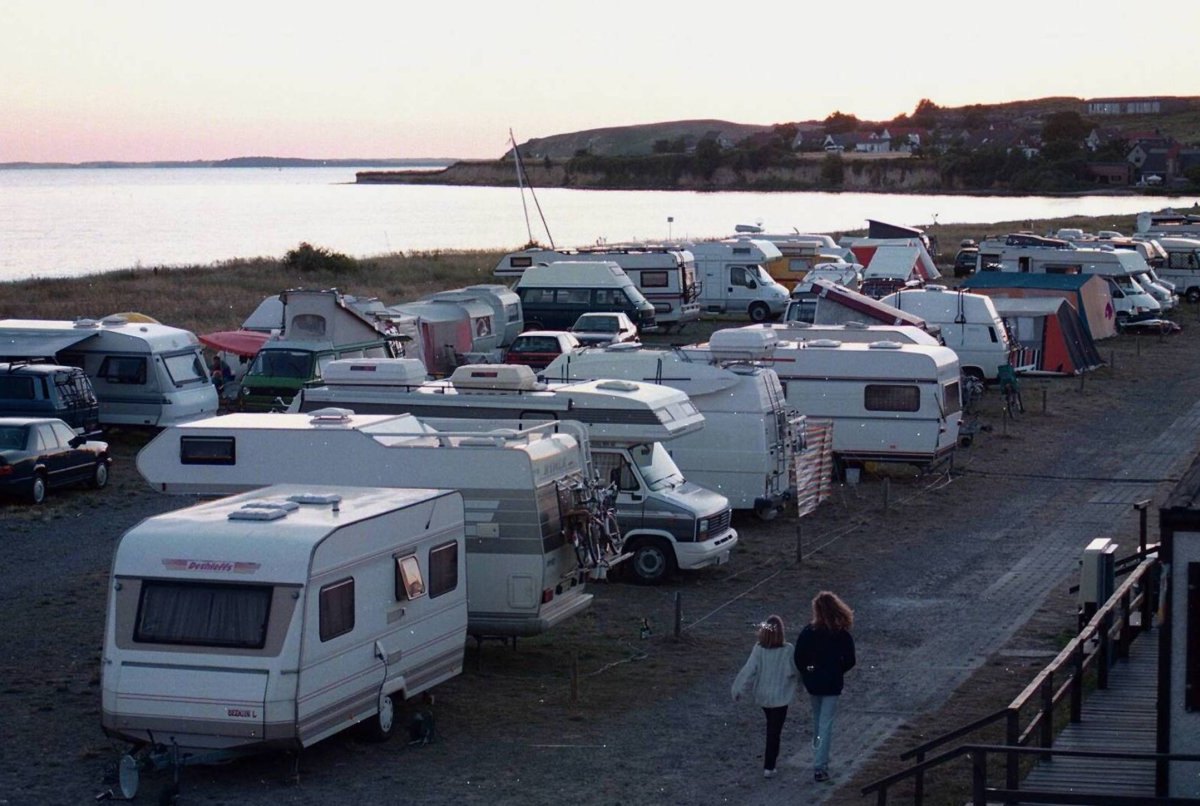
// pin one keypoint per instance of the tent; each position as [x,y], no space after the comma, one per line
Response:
[1049,334]
[1087,293]
[836,305]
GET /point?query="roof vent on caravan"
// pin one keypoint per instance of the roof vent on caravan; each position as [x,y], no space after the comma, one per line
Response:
[257,514]
[617,386]
[330,416]
[623,346]
[824,343]
[855,325]
[743,343]
[287,506]
[382,371]
[319,499]
[884,345]
[938,288]
[88,323]
[495,378]
[116,320]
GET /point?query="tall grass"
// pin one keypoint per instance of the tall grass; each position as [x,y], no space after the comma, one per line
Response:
[219,297]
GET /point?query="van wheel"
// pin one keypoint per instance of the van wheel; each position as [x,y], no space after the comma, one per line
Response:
[100,475]
[1193,295]
[382,725]
[766,512]
[531,326]
[652,561]
[37,490]
[759,312]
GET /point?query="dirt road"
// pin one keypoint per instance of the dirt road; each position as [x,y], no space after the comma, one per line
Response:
[959,579]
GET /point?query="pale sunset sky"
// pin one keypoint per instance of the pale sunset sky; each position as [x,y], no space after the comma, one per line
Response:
[134,81]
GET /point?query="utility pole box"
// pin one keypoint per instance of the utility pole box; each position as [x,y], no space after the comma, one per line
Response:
[1097,574]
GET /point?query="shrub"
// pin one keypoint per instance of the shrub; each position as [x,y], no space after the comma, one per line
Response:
[307,257]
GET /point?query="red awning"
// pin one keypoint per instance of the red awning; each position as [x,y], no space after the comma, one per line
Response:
[239,342]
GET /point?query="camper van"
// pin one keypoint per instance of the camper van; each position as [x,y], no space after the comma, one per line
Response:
[553,296]
[665,276]
[750,436]
[969,325]
[888,402]
[1182,265]
[736,277]
[49,390]
[279,617]
[667,521]
[524,574]
[318,327]
[1035,255]
[143,373]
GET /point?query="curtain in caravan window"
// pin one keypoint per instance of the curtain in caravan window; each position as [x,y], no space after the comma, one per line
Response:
[203,614]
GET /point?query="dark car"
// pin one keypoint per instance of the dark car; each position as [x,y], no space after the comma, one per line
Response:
[40,453]
[964,261]
[49,390]
[537,348]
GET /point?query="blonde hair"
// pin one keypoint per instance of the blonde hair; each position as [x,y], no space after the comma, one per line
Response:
[830,612]
[770,633]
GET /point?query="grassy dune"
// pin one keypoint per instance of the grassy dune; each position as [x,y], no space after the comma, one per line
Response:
[220,296]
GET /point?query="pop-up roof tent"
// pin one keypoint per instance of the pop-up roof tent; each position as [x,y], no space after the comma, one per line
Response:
[837,305]
[1049,334]
[1087,293]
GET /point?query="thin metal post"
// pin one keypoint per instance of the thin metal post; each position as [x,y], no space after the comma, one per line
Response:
[678,614]
[887,491]
[1141,507]
[1043,401]
[799,544]
[575,676]
[1137,339]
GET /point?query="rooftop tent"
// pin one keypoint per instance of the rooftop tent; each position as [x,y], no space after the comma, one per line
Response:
[1049,335]
[837,305]
[1087,293]
[881,229]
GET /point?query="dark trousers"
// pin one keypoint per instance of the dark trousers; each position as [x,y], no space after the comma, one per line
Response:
[775,719]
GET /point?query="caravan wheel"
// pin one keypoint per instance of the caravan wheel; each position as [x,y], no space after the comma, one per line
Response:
[380,727]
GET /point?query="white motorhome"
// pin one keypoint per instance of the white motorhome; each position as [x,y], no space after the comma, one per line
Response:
[665,276]
[750,436]
[524,575]
[850,332]
[667,521]
[1140,270]
[736,277]
[1182,265]
[1034,255]
[144,373]
[279,617]
[888,402]
[969,325]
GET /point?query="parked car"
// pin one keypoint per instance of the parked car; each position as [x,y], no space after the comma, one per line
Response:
[965,260]
[49,390]
[596,329]
[41,453]
[537,348]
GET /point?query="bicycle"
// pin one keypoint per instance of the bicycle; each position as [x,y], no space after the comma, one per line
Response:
[591,525]
[1011,389]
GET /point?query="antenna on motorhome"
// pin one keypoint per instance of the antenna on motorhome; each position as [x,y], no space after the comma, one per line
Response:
[522,180]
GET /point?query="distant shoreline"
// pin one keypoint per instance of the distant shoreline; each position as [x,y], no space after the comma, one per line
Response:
[243,162]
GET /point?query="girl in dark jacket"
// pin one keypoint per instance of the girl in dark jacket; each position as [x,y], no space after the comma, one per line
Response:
[824,652]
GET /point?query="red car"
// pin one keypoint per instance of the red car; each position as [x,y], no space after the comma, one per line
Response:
[537,348]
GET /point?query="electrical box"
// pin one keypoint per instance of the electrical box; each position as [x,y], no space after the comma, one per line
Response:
[1097,573]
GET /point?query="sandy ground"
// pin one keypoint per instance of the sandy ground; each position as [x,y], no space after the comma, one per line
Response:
[959,584]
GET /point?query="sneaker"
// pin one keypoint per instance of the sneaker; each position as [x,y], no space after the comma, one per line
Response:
[820,776]
[768,773]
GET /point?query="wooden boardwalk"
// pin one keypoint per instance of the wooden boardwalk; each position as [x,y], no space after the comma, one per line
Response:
[1121,718]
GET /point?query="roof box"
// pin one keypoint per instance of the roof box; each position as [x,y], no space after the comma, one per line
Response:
[375,371]
[495,378]
[737,343]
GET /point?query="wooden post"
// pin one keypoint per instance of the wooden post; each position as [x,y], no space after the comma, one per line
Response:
[1103,650]
[1112,359]
[575,676]
[678,614]
[1044,401]
[979,777]
[1077,683]
[1012,737]
[799,544]
[1137,339]
[1082,376]
[887,492]
[1046,736]
[919,780]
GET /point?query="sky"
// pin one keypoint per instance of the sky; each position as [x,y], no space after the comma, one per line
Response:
[86,80]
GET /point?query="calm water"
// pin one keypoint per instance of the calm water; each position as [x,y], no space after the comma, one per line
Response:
[64,222]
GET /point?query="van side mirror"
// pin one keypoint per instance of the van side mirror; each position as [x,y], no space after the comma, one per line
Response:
[751,284]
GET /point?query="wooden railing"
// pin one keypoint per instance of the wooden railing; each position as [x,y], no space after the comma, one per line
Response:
[1100,642]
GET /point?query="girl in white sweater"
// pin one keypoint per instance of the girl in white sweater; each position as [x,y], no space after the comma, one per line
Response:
[770,674]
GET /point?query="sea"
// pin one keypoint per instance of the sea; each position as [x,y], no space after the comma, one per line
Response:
[57,222]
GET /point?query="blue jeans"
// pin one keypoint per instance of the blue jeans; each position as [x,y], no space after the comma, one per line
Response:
[824,709]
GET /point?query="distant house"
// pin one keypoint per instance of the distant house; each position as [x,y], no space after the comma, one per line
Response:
[808,138]
[908,138]
[1124,106]
[843,142]
[1155,156]
[1109,173]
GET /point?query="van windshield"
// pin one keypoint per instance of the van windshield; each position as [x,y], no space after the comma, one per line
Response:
[203,614]
[657,467]
[185,368]
[282,364]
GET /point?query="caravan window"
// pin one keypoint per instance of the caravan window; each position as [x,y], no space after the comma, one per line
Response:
[123,369]
[185,368]
[337,609]
[887,397]
[443,569]
[951,398]
[409,583]
[208,450]
[655,279]
[307,326]
[203,614]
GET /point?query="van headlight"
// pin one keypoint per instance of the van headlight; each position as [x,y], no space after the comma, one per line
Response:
[702,530]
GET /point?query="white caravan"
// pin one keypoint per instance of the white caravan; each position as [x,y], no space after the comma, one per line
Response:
[667,521]
[524,575]
[888,402]
[665,276]
[279,617]
[735,277]
[750,436]
[850,332]
[1030,254]
[1182,265]
[144,373]
[969,325]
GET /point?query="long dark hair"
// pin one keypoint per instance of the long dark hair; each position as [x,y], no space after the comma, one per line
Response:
[770,633]
[830,612]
